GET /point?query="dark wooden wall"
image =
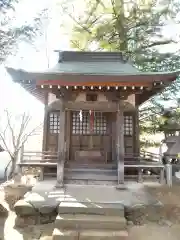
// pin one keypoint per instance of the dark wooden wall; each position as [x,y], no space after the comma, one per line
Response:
[107,142]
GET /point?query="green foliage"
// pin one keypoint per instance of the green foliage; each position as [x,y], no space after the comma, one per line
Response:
[135,28]
[10,35]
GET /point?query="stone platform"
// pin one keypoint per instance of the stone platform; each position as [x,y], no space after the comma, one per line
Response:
[45,198]
[90,212]
[45,194]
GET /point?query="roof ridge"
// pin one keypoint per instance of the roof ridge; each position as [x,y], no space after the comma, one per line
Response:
[87,56]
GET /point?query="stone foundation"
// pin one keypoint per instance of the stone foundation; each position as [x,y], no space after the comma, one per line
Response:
[15,192]
[23,221]
[135,215]
[3,211]
[142,214]
[29,214]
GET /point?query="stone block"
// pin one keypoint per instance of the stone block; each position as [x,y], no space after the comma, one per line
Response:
[22,222]
[3,211]
[23,208]
[103,235]
[91,208]
[47,209]
[61,234]
[81,221]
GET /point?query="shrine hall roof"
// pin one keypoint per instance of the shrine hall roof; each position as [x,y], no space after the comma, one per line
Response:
[85,63]
[99,69]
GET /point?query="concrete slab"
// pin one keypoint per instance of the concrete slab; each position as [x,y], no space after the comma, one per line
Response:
[45,193]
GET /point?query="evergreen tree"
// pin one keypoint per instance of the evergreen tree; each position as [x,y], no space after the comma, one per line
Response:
[135,28]
[10,34]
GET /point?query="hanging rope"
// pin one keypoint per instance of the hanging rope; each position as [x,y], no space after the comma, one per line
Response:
[80,116]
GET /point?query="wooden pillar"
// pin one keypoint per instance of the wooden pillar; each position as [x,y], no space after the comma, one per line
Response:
[61,149]
[68,129]
[120,144]
[45,126]
[114,138]
[136,139]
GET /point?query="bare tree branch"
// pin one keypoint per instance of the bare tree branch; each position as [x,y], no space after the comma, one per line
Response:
[74,19]
[17,136]
[5,145]
[157,43]
[26,136]
[8,117]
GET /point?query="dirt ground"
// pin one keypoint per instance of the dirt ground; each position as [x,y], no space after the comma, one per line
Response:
[150,231]
[165,194]
[154,232]
[44,232]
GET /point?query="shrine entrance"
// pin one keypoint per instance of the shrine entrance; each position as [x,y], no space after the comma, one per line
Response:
[91,137]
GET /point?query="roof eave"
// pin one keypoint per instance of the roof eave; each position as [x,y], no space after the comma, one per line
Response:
[22,75]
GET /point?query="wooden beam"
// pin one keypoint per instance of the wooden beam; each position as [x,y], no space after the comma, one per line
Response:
[144,96]
[120,143]
[61,149]
[117,95]
[96,106]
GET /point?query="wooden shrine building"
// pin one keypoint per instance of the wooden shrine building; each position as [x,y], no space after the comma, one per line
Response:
[91,107]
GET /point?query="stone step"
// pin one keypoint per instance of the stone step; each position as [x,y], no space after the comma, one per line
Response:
[107,209]
[92,170]
[91,176]
[60,234]
[90,182]
[84,221]
[73,165]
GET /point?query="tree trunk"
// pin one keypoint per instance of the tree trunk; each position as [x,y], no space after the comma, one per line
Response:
[13,166]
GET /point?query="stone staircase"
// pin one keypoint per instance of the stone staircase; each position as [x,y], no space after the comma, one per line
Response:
[95,174]
[99,174]
[90,221]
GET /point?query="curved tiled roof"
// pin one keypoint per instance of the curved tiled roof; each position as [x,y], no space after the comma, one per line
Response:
[81,67]
[86,63]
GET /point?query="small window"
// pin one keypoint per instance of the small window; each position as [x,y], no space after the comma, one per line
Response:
[128,125]
[91,97]
[83,127]
[54,121]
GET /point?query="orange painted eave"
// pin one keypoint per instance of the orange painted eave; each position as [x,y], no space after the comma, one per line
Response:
[107,80]
[103,84]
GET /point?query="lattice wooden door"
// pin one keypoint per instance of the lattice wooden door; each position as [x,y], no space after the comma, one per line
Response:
[90,131]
